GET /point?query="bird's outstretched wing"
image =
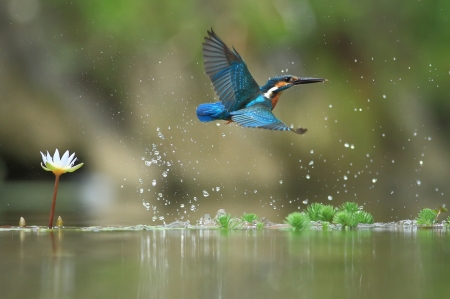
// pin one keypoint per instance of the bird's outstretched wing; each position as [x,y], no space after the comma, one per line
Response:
[233,83]
[260,116]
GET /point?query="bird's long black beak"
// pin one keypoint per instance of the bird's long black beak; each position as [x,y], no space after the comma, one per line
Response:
[308,80]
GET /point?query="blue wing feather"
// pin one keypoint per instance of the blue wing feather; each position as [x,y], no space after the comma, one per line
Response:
[261,116]
[232,81]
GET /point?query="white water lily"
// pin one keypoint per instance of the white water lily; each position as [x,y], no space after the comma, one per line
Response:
[59,165]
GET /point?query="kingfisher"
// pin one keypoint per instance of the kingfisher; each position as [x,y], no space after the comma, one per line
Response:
[241,99]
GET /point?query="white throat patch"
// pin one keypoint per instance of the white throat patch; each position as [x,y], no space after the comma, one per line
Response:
[269,94]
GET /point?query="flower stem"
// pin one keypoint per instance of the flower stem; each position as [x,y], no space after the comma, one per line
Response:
[52,210]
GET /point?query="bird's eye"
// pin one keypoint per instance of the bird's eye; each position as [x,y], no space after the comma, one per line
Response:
[287,79]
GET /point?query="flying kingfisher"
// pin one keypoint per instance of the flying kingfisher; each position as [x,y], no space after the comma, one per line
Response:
[242,100]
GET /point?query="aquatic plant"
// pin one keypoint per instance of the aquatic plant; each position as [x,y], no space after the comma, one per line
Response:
[426,217]
[259,225]
[328,212]
[351,207]
[346,219]
[58,166]
[298,221]
[440,210]
[364,217]
[314,211]
[59,222]
[249,218]
[350,215]
[320,212]
[226,222]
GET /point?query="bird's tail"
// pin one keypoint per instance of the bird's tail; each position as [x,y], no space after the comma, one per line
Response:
[212,111]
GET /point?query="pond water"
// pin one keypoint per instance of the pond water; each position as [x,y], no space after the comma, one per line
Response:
[201,263]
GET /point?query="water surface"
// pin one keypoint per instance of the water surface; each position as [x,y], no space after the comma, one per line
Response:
[194,263]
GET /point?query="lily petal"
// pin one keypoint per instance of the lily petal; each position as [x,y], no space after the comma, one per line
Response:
[49,158]
[69,161]
[45,168]
[64,159]
[56,159]
[44,159]
[76,167]
[51,166]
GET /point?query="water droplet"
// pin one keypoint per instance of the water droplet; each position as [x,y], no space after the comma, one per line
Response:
[345,178]
[418,183]
[346,144]
[311,162]
[217,189]
[374,180]
[311,151]
[205,193]
[182,205]
[154,183]
[281,182]
[164,174]
[330,197]
[256,191]
[308,177]
[193,208]
[384,96]
[305,201]
[154,218]
[148,163]
[141,190]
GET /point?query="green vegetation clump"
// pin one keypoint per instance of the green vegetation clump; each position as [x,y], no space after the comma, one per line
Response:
[350,207]
[346,219]
[320,212]
[428,217]
[249,218]
[246,221]
[349,215]
[328,213]
[226,222]
[298,221]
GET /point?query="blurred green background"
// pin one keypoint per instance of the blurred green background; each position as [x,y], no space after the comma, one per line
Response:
[118,83]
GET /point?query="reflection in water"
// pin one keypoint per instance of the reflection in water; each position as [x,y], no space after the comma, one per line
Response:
[188,263]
